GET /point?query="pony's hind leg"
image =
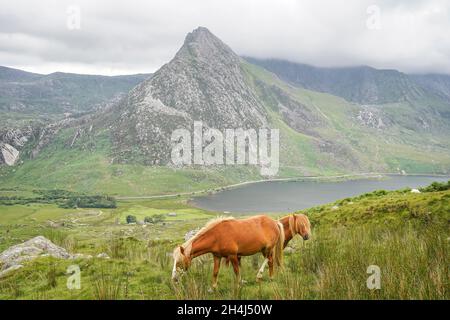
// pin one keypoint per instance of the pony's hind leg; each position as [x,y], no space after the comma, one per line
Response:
[235,262]
[270,261]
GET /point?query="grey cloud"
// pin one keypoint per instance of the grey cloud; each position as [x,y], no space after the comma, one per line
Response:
[139,36]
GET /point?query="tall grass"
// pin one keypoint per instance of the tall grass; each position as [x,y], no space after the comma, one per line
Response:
[413,262]
[108,286]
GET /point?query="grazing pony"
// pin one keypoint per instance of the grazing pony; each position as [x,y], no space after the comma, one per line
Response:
[295,224]
[231,238]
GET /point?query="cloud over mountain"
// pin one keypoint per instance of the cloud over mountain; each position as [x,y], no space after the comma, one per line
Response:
[136,36]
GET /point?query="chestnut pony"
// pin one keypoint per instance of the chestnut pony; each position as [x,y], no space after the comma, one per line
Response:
[231,238]
[295,224]
[292,225]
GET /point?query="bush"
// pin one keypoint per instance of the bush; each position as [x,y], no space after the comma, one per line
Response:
[436,186]
[131,219]
[90,202]
[155,219]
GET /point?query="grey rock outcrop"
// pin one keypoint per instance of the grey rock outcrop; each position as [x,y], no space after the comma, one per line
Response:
[8,154]
[13,258]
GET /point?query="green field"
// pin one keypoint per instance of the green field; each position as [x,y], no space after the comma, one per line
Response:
[405,234]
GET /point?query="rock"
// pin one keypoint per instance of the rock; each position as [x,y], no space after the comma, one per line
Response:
[9,270]
[53,224]
[371,117]
[8,154]
[190,234]
[31,249]
[103,256]
[289,250]
[81,256]
[335,208]
[13,258]
[415,191]
[172,214]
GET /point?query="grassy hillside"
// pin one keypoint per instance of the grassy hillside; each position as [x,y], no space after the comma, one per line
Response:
[333,138]
[403,233]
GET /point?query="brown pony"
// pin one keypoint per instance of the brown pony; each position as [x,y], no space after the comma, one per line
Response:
[292,225]
[295,224]
[231,238]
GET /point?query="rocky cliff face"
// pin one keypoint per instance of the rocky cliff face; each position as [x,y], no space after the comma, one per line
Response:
[203,82]
[11,141]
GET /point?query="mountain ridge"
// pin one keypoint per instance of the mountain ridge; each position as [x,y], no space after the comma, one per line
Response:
[320,133]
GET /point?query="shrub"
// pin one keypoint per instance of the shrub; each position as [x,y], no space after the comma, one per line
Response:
[131,219]
[90,202]
[155,218]
[436,186]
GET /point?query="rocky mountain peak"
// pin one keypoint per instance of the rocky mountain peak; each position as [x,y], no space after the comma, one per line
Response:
[201,44]
[203,82]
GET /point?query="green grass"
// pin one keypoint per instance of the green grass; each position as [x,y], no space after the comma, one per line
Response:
[91,172]
[405,234]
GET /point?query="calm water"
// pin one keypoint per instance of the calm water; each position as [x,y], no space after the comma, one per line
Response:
[295,195]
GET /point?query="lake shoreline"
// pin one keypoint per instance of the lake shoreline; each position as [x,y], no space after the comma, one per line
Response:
[329,178]
[301,193]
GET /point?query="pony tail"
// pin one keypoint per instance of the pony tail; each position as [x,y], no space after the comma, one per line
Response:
[279,246]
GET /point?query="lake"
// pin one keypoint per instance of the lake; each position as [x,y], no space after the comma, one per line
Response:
[288,196]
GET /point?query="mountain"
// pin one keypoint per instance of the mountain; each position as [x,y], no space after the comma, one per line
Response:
[203,82]
[438,84]
[57,93]
[361,84]
[30,103]
[124,147]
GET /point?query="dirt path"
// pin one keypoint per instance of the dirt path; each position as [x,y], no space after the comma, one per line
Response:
[86,217]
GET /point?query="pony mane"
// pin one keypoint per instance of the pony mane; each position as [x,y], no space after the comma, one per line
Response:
[208,226]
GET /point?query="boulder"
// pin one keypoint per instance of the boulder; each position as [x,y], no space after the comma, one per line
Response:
[14,257]
[289,250]
[31,249]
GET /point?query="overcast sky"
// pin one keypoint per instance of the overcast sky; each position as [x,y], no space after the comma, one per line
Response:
[112,37]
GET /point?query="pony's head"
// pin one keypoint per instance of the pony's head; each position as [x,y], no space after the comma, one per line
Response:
[181,262]
[299,223]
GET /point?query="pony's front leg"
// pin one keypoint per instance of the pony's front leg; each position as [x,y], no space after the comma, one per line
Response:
[259,275]
[216,271]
